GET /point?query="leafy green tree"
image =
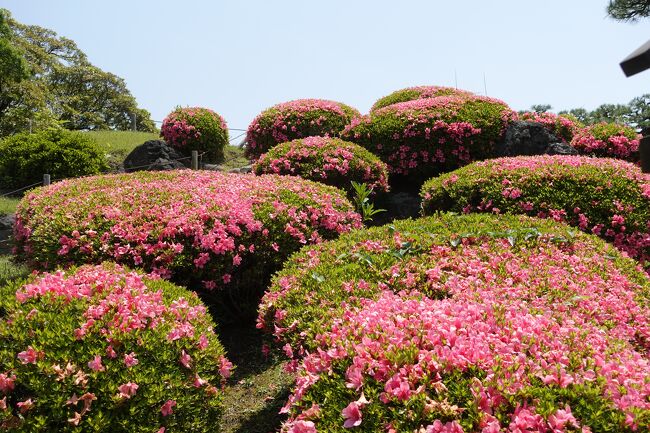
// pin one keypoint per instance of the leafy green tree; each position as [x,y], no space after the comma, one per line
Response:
[13,67]
[639,115]
[610,113]
[65,88]
[580,114]
[628,10]
[541,108]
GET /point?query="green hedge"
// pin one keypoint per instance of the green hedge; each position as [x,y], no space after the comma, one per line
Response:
[606,197]
[25,158]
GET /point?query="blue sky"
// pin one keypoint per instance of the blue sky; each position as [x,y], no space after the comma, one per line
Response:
[240,57]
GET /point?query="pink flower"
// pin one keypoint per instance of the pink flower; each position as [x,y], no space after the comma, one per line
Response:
[166,409]
[24,406]
[352,415]
[302,426]
[127,390]
[29,356]
[130,360]
[225,367]
[96,364]
[185,360]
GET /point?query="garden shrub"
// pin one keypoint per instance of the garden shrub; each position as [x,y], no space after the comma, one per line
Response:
[424,137]
[331,161]
[463,321]
[560,126]
[197,228]
[25,158]
[105,349]
[606,197]
[296,119]
[609,140]
[418,92]
[196,128]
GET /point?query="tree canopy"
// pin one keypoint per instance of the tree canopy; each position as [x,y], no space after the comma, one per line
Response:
[628,10]
[59,85]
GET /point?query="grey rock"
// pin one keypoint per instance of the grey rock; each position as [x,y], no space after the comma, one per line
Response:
[212,167]
[530,138]
[242,170]
[7,221]
[154,155]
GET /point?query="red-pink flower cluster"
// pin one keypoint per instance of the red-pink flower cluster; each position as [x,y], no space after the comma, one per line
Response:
[554,318]
[560,126]
[96,338]
[328,160]
[187,225]
[423,137]
[296,119]
[606,197]
[177,128]
[608,140]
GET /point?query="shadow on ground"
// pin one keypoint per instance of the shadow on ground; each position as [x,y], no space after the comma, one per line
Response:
[259,386]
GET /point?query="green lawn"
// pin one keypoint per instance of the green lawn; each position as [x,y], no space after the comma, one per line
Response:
[8,205]
[118,144]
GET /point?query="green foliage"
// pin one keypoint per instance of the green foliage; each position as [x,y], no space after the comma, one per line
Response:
[628,10]
[541,108]
[61,372]
[24,158]
[635,113]
[63,86]
[362,203]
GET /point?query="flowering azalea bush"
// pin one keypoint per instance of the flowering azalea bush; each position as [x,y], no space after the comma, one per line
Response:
[197,228]
[296,119]
[464,323]
[196,128]
[418,92]
[606,197]
[560,126]
[105,349]
[608,140]
[328,160]
[421,138]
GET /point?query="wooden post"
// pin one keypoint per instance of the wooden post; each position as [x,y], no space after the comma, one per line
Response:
[46,180]
[195,160]
[644,151]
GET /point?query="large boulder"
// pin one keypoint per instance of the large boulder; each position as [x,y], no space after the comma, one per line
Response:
[531,138]
[154,155]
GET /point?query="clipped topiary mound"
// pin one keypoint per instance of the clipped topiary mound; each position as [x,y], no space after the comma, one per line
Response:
[421,138]
[331,161]
[468,321]
[25,158]
[196,128]
[104,349]
[418,92]
[606,197]
[560,126]
[407,365]
[198,228]
[609,140]
[296,119]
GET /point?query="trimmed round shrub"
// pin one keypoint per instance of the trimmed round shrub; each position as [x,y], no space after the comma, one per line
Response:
[560,126]
[331,161]
[418,92]
[296,119]
[419,139]
[606,197]
[469,321]
[609,140]
[197,228]
[105,349]
[196,128]
[24,158]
